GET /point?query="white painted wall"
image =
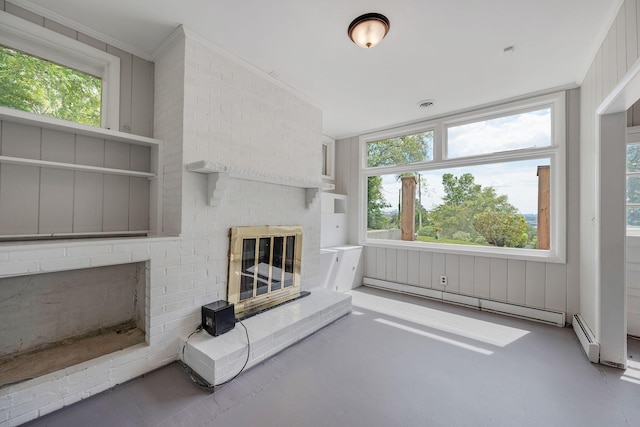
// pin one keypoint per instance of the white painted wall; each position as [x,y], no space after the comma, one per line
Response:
[533,284]
[602,302]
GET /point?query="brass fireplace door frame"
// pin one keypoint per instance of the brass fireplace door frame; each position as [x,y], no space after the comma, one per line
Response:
[237,236]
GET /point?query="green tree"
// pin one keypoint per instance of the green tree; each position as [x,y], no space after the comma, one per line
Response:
[502,229]
[394,151]
[32,84]
[376,203]
[463,201]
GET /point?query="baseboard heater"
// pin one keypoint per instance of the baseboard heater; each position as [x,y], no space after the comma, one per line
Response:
[586,338]
[555,318]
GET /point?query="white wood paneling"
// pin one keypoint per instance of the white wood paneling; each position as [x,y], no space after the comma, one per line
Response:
[392,264]
[89,151]
[87,202]
[499,279]
[452,264]
[535,284]
[516,278]
[606,81]
[426,261]
[56,201]
[370,259]
[631,30]
[19,199]
[466,277]
[381,263]
[413,277]
[139,203]
[142,80]
[621,27]
[402,271]
[58,146]
[482,278]
[20,141]
[126,60]
[555,295]
[438,268]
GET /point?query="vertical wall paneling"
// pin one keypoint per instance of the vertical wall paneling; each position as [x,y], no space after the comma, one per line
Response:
[392,265]
[438,268]
[370,259]
[116,188]
[631,30]
[88,40]
[467,271]
[482,277]
[413,265]
[23,13]
[126,63]
[139,189]
[606,80]
[498,279]
[89,151]
[535,286]
[555,290]
[60,29]
[516,278]
[381,263]
[426,260]
[613,56]
[402,272]
[142,97]
[600,82]
[56,185]
[19,185]
[20,141]
[88,187]
[452,267]
[636,26]
[621,47]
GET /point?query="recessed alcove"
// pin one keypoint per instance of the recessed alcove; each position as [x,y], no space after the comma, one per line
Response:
[52,321]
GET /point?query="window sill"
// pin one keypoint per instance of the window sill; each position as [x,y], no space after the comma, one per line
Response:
[480,251]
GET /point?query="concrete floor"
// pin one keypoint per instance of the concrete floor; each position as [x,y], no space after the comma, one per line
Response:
[395,361]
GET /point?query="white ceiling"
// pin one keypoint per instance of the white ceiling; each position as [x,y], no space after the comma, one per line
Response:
[447,50]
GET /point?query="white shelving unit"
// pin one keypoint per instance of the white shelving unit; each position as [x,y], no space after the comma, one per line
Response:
[30,120]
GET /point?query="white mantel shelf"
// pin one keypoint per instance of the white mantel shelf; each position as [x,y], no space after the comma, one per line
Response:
[219,174]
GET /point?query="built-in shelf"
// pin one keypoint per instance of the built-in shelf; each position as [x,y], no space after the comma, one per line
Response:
[71,166]
[218,176]
[31,119]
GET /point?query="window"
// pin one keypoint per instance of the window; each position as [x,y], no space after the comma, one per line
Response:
[43,87]
[328,157]
[633,184]
[489,181]
[30,42]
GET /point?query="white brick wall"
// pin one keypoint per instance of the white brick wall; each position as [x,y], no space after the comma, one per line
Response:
[207,107]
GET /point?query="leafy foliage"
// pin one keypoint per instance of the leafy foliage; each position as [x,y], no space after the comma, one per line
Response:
[475,214]
[401,150]
[32,84]
[502,229]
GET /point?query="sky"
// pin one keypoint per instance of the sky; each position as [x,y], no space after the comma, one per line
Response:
[518,180]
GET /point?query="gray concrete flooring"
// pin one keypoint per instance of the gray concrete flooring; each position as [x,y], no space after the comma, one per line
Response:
[395,361]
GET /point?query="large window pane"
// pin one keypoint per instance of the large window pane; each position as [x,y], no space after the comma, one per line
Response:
[633,158]
[514,132]
[490,205]
[401,150]
[38,86]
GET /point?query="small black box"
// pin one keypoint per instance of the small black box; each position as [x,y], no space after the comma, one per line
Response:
[218,317]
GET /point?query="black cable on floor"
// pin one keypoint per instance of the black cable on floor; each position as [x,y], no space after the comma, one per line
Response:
[207,386]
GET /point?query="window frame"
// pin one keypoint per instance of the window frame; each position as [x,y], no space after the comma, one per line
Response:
[25,36]
[556,152]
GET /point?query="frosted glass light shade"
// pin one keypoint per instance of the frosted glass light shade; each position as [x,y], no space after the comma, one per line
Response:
[368,30]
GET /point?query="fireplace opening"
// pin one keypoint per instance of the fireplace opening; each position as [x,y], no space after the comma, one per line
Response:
[52,321]
[264,267]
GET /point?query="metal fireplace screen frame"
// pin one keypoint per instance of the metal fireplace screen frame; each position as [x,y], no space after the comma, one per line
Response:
[264,267]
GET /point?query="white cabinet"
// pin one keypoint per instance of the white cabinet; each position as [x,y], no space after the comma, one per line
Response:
[341,267]
[333,220]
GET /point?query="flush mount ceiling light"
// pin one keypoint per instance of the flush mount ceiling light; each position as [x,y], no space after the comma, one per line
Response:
[369,29]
